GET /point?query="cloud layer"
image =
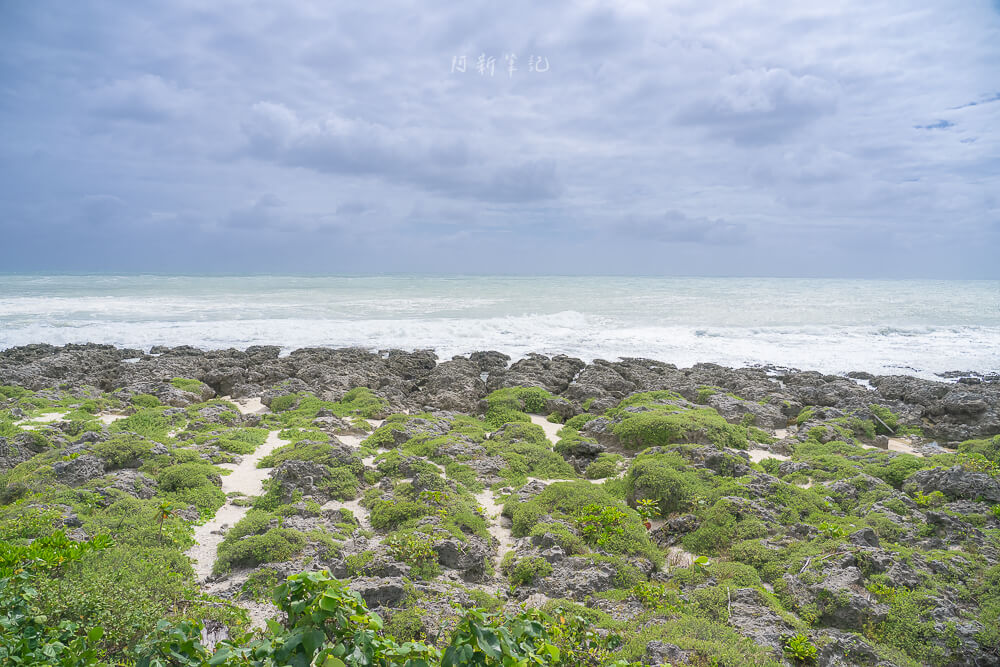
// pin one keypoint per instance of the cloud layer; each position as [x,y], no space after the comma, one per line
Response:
[742,138]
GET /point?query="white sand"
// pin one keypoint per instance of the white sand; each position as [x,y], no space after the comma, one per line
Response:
[353,441]
[47,418]
[547,426]
[248,406]
[245,478]
[758,455]
[900,445]
[109,418]
[781,433]
[499,525]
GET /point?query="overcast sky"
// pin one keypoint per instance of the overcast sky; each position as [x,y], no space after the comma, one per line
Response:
[856,138]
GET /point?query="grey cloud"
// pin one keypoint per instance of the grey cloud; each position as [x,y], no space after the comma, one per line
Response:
[147,98]
[675,227]
[102,209]
[262,213]
[353,208]
[762,105]
[336,144]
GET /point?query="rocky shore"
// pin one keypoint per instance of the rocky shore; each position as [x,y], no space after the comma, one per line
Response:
[690,516]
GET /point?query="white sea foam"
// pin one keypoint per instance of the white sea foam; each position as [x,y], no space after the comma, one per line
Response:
[833,326]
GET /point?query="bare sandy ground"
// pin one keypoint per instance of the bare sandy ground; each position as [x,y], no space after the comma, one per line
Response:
[108,418]
[758,455]
[353,441]
[900,445]
[245,478]
[547,426]
[248,406]
[47,418]
[499,526]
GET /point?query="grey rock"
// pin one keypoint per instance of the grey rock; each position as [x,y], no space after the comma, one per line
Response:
[845,649]
[663,653]
[734,410]
[469,557]
[134,483]
[79,470]
[789,467]
[956,482]
[304,476]
[750,615]
[865,537]
[490,360]
[380,592]
[452,385]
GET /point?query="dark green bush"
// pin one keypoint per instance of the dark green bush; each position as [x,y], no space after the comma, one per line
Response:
[274,546]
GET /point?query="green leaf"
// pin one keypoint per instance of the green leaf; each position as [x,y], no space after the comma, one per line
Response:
[312,641]
[333,662]
[487,641]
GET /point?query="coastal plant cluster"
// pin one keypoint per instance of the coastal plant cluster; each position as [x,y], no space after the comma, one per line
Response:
[645,533]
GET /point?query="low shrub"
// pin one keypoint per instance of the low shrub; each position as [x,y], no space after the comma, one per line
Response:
[524,571]
[274,546]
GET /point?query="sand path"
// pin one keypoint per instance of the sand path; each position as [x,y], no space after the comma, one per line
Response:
[547,426]
[107,418]
[758,455]
[246,478]
[499,526]
[247,406]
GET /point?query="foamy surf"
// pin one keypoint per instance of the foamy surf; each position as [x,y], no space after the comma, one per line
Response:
[913,327]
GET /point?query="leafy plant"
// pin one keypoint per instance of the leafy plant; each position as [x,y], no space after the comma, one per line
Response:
[798,647]
[416,550]
[166,510]
[648,509]
[524,571]
[833,529]
[601,523]
[700,563]
[933,499]
[27,637]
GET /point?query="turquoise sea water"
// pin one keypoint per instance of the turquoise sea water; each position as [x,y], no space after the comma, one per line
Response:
[834,326]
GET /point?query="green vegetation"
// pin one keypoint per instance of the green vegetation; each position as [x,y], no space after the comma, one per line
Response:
[187,384]
[524,571]
[512,404]
[887,422]
[298,410]
[742,530]
[798,647]
[152,423]
[123,450]
[527,453]
[665,422]
[599,519]
[257,539]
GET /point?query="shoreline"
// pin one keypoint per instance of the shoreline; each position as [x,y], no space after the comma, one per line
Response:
[146,353]
[959,406]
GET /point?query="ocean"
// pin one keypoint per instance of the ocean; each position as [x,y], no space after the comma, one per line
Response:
[916,327]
